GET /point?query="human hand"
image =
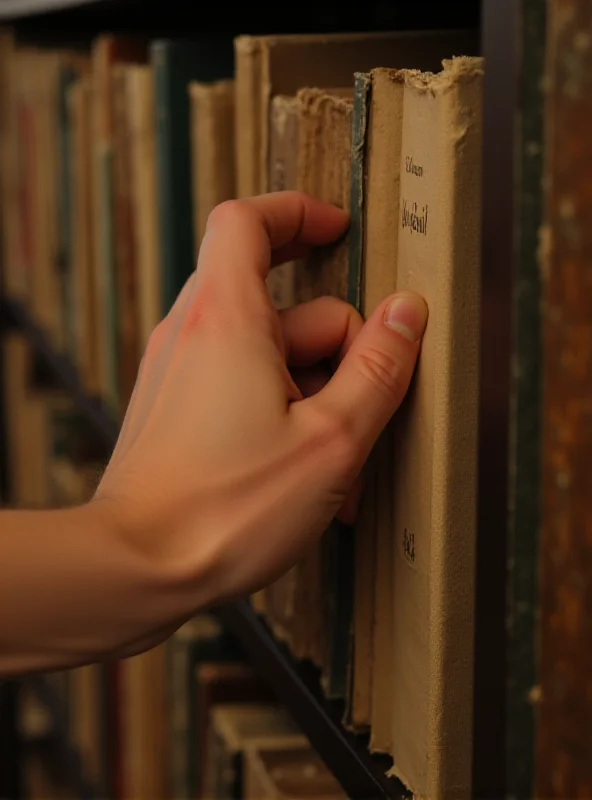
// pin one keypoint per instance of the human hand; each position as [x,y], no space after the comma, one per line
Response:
[236,452]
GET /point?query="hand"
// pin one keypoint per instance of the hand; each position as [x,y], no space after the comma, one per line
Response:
[236,451]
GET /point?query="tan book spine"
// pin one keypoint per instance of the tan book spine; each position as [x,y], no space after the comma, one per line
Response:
[248,129]
[435,469]
[283,174]
[141,109]
[324,142]
[212,149]
[380,245]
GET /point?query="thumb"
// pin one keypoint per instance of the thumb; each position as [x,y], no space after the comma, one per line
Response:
[373,378]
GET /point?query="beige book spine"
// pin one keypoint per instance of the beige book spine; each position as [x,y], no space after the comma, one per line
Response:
[282,175]
[324,143]
[141,105]
[212,149]
[435,493]
[381,208]
[249,58]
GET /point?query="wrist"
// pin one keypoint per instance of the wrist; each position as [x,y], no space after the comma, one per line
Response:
[167,581]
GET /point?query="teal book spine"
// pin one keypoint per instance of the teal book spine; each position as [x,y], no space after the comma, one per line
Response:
[176,64]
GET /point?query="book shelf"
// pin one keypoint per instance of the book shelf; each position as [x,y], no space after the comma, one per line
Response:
[513,35]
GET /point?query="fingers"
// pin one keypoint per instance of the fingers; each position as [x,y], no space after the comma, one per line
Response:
[374,376]
[241,235]
[323,328]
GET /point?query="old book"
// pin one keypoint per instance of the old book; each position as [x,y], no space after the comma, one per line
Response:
[143,713]
[376,156]
[435,464]
[125,255]
[270,65]
[82,236]
[283,174]
[197,641]
[142,131]
[212,150]
[176,64]
[86,720]
[108,51]
[293,774]
[234,729]
[218,683]
[323,597]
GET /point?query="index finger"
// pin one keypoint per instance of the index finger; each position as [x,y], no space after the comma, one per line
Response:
[242,235]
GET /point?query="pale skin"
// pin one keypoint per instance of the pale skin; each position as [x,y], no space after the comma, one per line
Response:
[236,451]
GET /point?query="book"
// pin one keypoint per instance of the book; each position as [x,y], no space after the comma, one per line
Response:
[82,236]
[141,112]
[218,683]
[125,254]
[176,64]
[290,774]
[199,640]
[108,50]
[323,586]
[212,150]
[234,729]
[435,465]
[283,174]
[376,157]
[271,65]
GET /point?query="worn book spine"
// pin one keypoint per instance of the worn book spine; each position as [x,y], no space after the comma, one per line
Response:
[324,583]
[282,175]
[249,57]
[108,50]
[142,129]
[380,245]
[435,468]
[212,150]
[359,686]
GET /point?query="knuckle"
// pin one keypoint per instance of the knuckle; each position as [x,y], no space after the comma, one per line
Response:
[385,371]
[228,212]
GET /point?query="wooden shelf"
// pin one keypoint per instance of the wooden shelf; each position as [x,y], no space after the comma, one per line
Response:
[296,685]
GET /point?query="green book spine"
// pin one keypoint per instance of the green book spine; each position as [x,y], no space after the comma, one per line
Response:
[362,89]
[176,64]
[340,538]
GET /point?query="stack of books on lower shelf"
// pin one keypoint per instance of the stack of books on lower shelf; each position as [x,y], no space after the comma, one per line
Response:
[111,161]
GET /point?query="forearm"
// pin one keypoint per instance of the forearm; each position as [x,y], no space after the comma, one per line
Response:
[74,590]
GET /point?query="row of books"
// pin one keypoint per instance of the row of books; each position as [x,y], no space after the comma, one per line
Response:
[112,160]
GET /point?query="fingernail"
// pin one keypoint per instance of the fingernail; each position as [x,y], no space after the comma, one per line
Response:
[407,313]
